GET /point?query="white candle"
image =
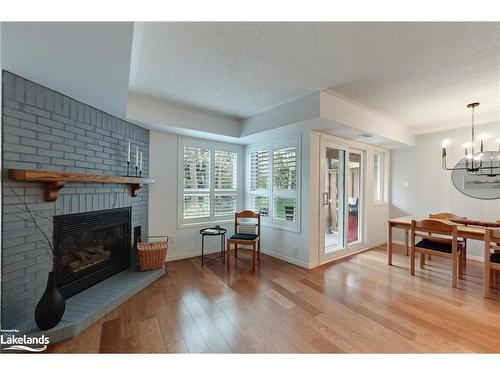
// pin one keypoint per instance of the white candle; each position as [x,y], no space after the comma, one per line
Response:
[137,156]
[140,167]
[128,153]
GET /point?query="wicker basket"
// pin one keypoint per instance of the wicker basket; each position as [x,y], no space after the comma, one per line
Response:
[152,254]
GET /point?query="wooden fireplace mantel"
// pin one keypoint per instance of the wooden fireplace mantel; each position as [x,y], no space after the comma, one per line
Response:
[55,181]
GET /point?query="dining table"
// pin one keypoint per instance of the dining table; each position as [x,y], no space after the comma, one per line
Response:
[464,230]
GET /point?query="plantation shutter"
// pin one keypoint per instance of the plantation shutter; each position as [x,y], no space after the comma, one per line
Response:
[259,170]
[285,183]
[259,181]
[225,182]
[196,183]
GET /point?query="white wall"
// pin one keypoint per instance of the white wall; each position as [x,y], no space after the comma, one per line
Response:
[344,111]
[291,246]
[88,61]
[295,111]
[172,117]
[163,198]
[429,188]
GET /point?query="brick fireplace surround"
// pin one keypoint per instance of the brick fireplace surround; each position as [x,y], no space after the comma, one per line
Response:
[46,130]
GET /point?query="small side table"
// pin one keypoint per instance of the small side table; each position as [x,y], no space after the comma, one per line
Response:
[217,231]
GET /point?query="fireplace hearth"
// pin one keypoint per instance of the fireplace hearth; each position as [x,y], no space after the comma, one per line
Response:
[90,247]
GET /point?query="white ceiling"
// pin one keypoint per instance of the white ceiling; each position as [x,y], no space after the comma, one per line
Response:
[89,61]
[421,75]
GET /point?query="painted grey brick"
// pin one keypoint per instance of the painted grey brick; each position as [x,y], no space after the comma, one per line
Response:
[92,134]
[19,149]
[31,93]
[103,155]
[36,111]
[11,156]
[13,267]
[58,103]
[35,127]
[51,123]
[19,131]
[35,158]
[11,103]
[49,100]
[73,109]
[54,139]
[18,114]
[84,126]
[63,133]
[93,159]
[12,139]
[35,143]
[84,151]
[12,276]
[103,143]
[95,147]
[74,129]
[63,119]
[72,142]
[64,162]
[64,148]
[73,156]
[103,132]
[20,86]
[51,167]
[51,153]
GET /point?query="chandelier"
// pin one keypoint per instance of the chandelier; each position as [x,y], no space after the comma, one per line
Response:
[478,163]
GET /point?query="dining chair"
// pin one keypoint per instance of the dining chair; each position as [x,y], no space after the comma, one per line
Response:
[451,217]
[491,259]
[249,239]
[446,245]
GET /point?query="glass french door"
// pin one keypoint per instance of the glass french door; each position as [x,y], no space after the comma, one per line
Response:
[341,202]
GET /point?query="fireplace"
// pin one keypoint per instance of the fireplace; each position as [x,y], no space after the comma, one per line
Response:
[90,247]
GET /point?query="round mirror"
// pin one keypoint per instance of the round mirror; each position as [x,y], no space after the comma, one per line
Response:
[480,187]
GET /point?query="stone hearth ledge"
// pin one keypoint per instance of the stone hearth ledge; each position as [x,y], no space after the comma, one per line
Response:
[90,305]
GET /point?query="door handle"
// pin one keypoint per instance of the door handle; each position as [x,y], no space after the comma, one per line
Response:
[326,198]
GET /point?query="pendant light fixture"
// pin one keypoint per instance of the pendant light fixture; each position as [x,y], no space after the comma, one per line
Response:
[479,163]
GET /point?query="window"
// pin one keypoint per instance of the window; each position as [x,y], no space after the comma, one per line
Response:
[209,179]
[273,180]
[284,183]
[259,181]
[378,178]
[226,164]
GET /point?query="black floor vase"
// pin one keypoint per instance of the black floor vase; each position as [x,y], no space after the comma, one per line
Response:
[50,308]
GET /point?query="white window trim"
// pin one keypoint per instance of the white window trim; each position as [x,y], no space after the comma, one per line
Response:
[213,146]
[270,221]
[385,178]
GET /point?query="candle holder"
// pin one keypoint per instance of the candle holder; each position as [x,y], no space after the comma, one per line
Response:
[136,168]
[140,173]
[128,169]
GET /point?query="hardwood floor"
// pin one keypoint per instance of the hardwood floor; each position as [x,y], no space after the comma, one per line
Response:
[357,305]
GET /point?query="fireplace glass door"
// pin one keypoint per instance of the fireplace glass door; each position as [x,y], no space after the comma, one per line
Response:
[90,247]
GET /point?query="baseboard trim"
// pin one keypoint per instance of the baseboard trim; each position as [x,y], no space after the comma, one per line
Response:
[197,253]
[189,254]
[477,258]
[286,259]
[345,255]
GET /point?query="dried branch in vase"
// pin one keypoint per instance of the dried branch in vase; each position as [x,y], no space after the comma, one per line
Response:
[34,217]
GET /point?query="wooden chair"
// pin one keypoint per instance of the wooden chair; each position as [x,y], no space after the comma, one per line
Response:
[451,217]
[491,258]
[437,246]
[248,239]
